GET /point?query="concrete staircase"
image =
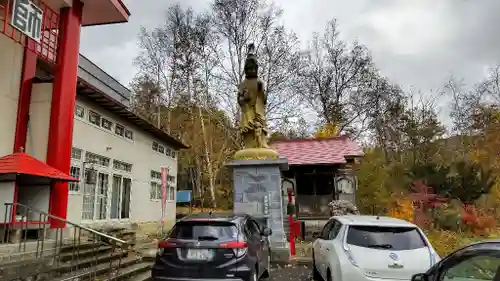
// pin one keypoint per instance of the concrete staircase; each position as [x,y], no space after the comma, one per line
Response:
[82,261]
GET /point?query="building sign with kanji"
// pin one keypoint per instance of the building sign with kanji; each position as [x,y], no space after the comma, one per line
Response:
[27,18]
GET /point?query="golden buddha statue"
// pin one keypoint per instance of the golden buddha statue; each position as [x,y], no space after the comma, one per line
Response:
[252,100]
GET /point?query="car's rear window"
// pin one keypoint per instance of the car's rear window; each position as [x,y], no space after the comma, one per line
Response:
[390,238]
[204,230]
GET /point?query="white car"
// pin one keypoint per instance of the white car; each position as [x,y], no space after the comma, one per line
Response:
[368,248]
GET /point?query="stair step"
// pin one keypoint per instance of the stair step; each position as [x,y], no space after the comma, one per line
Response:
[81,246]
[78,254]
[34,262]
[100,269]
[132,271]
[144,276]
[90,261]
[22,269]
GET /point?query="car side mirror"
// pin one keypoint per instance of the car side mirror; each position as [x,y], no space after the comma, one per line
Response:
[419,277]
[266,232]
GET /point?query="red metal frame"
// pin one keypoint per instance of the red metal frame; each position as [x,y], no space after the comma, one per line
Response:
[47,48]
[63,107]
[290,226]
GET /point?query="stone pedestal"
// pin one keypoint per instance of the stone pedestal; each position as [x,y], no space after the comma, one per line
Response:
[257,192]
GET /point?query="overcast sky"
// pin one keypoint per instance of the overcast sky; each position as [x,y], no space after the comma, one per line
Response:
[415,43]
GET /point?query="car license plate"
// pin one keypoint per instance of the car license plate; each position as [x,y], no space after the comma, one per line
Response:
[199,254]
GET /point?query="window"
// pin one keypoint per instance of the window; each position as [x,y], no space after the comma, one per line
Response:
[192,230]
[155,188]
[155,146]
[155,191]
[161,149]
[106,124]
[75,173]
[174,154]
[122,166]
[119,130]
[477,267]
[120,197]
[94,118]
[76,153]
[97,159]
[129,134]
[335,230]
[251,229]
[380,237]
[156,175]
[79,111]
[102,196]
[168,152]
[326,229]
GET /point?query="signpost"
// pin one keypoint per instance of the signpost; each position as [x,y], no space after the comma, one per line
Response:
[27,18]
[184,196]
[164,183]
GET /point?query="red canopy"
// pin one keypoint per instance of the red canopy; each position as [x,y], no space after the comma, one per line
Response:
[23,164]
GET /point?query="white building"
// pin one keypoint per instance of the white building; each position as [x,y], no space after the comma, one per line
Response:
[125,151]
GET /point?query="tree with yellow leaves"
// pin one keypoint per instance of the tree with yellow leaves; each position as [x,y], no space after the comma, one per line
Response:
[327,130]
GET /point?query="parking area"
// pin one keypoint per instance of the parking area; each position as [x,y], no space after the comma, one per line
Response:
[291,273]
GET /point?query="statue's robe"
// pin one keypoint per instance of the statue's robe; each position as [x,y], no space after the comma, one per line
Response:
[253,109]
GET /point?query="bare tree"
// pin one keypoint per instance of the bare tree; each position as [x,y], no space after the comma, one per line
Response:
[333,77]
[145,98]
[239,23]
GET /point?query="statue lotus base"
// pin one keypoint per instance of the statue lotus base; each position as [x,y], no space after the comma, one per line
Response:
[256,154]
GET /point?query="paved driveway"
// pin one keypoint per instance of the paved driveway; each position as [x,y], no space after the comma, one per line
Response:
[290,273]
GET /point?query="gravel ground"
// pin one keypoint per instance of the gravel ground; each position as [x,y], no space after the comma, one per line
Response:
[290,273]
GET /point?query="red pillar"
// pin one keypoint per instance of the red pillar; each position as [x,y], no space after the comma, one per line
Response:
[23,106]
[63,106]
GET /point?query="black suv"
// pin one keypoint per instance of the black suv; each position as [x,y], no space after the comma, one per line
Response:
[210,246]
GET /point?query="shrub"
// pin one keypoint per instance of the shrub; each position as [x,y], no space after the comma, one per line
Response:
[446,218]
[342,207]
[403,210]
[445,242]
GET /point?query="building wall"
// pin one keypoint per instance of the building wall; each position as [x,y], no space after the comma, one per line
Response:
[138,152]
[88,137]
[11,58]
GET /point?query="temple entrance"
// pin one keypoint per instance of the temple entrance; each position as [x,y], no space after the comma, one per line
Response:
[315,189]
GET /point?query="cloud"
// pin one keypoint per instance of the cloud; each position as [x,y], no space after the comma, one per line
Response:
[114,47]
[414,43]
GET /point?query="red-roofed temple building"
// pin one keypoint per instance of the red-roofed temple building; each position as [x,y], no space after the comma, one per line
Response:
[71,148]
[320,171]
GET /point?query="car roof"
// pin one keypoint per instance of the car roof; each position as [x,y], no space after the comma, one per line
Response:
[372,221]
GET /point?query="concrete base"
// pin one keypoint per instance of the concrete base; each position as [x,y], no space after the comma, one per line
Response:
[257,192]
[280,255]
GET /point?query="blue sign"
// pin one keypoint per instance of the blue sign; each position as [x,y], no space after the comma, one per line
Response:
[183,196]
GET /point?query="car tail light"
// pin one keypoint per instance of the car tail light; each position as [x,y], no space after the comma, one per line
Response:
[239,247]
[165,244]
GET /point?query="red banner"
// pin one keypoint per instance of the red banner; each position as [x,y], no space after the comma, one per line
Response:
[164,183]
